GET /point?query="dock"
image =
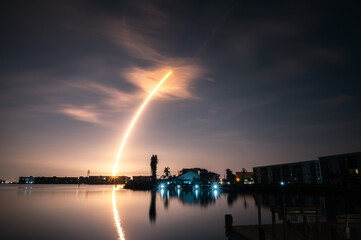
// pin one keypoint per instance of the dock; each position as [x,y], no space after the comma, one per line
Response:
[346,227]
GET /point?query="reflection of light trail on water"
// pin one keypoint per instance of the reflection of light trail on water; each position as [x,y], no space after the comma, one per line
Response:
[115,211]
[116,217]
[135,118]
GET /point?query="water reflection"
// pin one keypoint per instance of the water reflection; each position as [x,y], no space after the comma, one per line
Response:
[196,197]
[116,217]
[152,208]
[103,212]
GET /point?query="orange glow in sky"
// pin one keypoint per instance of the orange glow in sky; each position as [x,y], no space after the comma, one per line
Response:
[134,120]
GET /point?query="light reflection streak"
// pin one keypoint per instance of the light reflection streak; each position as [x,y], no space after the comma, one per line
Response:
[162,193]
[215,193]
[116,217]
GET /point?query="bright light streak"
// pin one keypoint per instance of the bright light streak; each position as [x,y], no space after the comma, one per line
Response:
[215,192]
[134,120]
[117,218]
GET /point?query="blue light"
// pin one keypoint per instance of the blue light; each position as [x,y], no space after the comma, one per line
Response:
[215,186]
[282,183]
[196,186]
[215,192]
[162,186]
[178,186]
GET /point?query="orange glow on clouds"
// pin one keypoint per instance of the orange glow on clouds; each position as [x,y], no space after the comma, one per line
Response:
[134,120]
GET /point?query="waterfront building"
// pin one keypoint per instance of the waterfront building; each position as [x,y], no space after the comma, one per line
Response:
[142,178]
[187,178]
[341,169]
[26,180]
[195,170]
[306,172]
[108,179]
[75,180]
[246,177]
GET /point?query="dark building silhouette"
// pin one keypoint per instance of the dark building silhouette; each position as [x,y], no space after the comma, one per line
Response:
[205,175]
[185,170]
[75,180]
[142,178]
[343,169]
[307,172]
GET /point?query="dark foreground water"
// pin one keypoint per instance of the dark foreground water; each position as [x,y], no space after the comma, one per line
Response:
[105,212]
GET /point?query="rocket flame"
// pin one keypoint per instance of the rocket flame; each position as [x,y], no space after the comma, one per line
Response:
[135,119]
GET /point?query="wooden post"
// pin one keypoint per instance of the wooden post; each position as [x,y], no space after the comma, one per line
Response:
[305,223]
[333,233]
[273,222]
[285,223]
[262,234]
[259,210]
[318,227]
[228,221]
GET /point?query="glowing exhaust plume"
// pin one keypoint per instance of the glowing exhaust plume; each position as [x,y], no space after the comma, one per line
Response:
[116,218]
[135,119]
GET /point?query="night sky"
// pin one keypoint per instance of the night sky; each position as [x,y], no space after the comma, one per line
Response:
[254,83]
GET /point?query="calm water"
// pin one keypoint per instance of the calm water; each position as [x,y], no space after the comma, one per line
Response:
[104,212]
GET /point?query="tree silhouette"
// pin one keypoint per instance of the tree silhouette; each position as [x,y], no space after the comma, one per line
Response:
[230,176]
[153,166]
[243,174]
[166,172]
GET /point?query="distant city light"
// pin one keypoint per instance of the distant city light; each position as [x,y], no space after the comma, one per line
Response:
[282,183]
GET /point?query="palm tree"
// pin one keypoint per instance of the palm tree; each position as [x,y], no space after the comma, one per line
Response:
[153,166]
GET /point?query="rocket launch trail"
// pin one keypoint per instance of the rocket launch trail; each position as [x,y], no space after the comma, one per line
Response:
[134,120]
